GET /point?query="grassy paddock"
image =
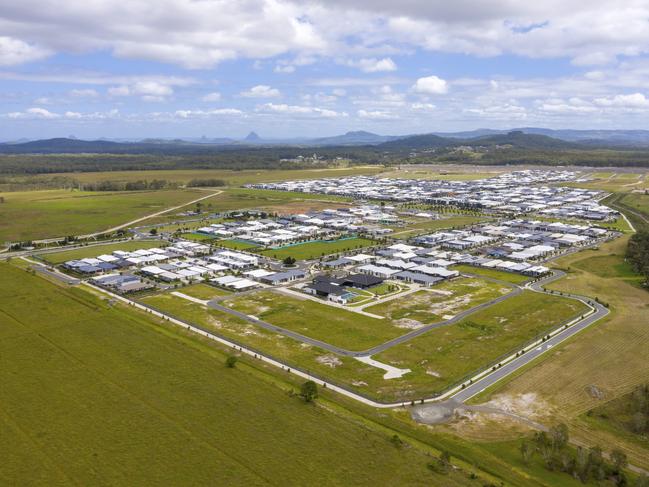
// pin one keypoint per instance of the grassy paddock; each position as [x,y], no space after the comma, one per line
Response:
[95,250]
[32,215]
[492,273]
[124,402]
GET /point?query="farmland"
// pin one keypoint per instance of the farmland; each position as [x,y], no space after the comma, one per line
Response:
[57,213]
[95,250]
[73,421]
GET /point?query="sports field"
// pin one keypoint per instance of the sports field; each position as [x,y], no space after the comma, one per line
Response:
[96,395]
[236,244]
[95,250]
[315,250]
[33,215]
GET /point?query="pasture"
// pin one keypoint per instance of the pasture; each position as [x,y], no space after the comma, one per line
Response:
[95,250]
[94,394]
[33,215]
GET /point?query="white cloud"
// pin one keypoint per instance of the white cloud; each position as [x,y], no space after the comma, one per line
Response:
[84,93]
[211,97]
[284,69]
[261,91]
[430,85]
[300,110]
[208,113]
[34,113]
[148,90]
[376,115]
[635,100]
[373,65]
[423,107]
[14,51]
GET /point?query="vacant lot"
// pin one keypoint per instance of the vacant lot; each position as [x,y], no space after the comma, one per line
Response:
[315,250]
[605,361]
[336,326]
[443,356]
[97,395]
[33,215]
[421,227]
[492,273]
[439,303]
[203,291]
[95,250]
[236,244]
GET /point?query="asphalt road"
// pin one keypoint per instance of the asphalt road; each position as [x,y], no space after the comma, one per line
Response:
[522,360]
[379,348]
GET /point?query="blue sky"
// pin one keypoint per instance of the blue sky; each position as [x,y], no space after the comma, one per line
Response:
[221,68]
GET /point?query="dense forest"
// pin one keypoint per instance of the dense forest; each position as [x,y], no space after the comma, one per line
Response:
[638,253]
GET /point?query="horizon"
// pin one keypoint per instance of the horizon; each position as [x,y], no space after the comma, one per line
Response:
[291,69]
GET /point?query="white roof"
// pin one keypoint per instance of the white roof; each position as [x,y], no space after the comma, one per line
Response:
[258,273]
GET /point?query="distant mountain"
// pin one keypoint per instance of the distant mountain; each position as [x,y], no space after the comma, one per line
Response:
[359,137]
[418,142]
[59,145]
[252,137]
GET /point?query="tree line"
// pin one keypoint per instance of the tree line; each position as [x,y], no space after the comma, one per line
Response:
[637,253]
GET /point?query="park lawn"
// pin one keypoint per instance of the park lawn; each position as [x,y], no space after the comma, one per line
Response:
[315,250]
[100,395]
[204,291]
[438,303]
[512,277]
[426,226]
[95,250]
[32,215]
[444,356]
[336,326]
[236,244]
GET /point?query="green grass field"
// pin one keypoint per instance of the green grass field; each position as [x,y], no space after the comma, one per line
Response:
[232,178]
[422,227]
[97,395]
[95,250]
[444,355]
[315,250]
[236,244]
[32,215]
[204,291]
[446,299]
[492,273]
[333,325]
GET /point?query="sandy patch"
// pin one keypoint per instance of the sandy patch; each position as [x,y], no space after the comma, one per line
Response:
[528,405]
[408,324]
[329,360]
[359,383]
[433,373]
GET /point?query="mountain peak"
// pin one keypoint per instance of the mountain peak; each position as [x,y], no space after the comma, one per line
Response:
[252,137]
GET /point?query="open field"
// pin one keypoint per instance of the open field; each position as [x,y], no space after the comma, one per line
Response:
[317,249]
[336,326]
[440,302]
[442,174]
[260,199]
[95,250]
[32,215]
[98,395]
[204,291]
[232,178]
[428,226]
[492,273]
[609,357]
[443,356]
[236,244]
[614,181]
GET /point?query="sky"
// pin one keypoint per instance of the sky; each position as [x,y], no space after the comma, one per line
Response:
[223,68]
